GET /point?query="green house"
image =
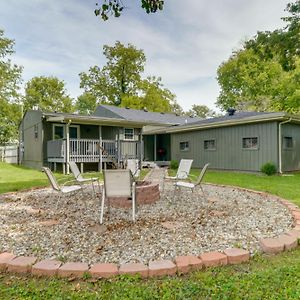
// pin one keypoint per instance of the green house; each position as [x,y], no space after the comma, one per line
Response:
[110,135]
[241,141]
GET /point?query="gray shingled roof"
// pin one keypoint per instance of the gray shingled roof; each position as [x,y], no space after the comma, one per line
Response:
[236,116]
[142,115]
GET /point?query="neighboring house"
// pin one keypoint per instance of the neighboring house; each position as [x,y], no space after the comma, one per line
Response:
[111,134]
[238,141]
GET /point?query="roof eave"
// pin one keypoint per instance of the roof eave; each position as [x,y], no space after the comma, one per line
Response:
[248,120]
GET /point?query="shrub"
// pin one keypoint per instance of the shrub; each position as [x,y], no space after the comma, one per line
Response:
[174,164]
[268,168]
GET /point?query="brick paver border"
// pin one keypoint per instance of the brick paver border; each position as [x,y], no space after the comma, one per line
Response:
[181,264]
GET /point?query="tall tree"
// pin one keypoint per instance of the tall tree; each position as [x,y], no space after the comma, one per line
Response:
[120,83]
[106,8]
[10,79]
[86,103]
[48,94]
[118,78]
[201,111]
[257,76]
[152,95]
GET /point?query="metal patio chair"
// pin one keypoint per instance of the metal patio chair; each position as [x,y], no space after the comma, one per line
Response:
[61,190]
[80,179]
[133,166]
[191,185]
[118,183]
[183,171]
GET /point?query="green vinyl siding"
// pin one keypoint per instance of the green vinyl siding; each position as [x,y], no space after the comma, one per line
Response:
[291,156]
[229,153]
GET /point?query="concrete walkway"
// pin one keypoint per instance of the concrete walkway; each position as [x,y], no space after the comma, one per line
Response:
[157,175]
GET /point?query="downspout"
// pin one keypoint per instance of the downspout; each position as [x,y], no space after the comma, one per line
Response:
[280,144]
[68,146]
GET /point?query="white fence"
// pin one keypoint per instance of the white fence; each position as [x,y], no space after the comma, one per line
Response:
[9,154]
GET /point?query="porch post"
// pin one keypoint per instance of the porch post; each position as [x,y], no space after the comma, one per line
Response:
[68,147]
[155,142]
[119,148]
[141,148]
[100,149]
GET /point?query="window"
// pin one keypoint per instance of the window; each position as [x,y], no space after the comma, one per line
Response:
[36,131]
[250,143]
[58,132]
[184,146]
[288,142]
[210,145]
[129,134]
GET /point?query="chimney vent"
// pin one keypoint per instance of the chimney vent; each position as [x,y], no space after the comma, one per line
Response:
[231,111]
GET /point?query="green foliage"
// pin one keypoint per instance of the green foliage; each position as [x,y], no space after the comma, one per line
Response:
[86,104]
[107,8]
[10,117]
[120,83]
[152,95]
[174,164]
[10,79]
[118,78]
[264,74]
[48,94]
[268,168]
[201,111]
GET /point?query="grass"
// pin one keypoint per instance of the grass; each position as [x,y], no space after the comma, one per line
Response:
[276,277]
[16,178]
[265,277]
[287,187]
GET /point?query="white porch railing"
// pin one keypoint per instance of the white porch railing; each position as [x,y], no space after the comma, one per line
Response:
[89,150]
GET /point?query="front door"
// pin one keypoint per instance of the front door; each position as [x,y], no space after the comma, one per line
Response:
[74,132]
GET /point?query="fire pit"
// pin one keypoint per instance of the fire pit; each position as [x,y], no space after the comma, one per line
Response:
[146,193]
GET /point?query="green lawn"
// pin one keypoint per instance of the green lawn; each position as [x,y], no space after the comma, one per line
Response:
[287,187]
[265,277]
[16,178]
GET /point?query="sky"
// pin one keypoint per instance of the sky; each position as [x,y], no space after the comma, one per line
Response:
[184,44]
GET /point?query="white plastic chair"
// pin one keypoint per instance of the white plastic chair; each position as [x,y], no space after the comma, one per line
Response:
[183,171]
[118,183]
[80,179]
[190,185]
[61,190]
[133,166]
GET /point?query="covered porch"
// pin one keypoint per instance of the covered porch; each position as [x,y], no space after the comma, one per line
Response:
[90,143]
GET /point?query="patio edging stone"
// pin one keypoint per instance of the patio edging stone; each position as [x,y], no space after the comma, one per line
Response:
[181,264]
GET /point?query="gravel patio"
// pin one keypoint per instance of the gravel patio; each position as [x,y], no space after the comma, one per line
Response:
[188,224]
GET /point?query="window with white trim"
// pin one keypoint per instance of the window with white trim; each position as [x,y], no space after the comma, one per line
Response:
[210,145]
[184,146]
[250,143]
[288,142]
[128,134]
